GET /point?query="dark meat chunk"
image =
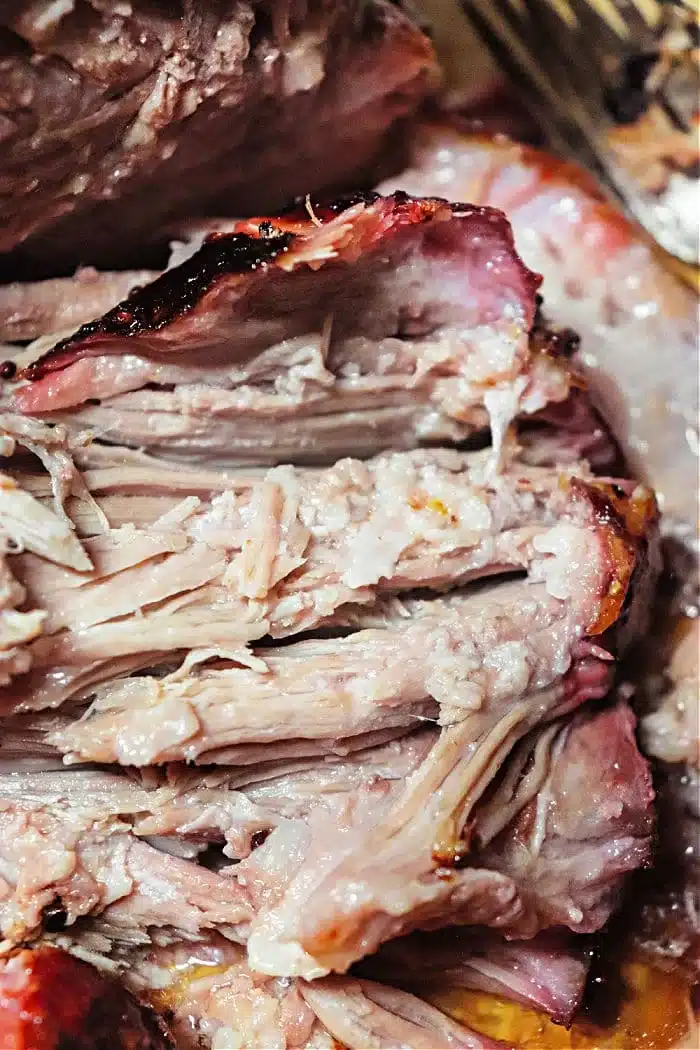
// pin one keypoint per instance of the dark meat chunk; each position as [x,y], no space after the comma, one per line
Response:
[590,822]
[119,119]
[50,1000]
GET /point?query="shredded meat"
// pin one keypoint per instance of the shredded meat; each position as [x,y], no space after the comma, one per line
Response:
[324,685]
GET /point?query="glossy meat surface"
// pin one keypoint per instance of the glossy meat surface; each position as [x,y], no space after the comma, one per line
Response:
[638,325]
[50,1000]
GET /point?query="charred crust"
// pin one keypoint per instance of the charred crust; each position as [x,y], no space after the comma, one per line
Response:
[173,294]
[177,292]
[8,370]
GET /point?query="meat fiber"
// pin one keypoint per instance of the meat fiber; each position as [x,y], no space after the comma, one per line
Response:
[218,1001]
[29,311]
[119,120]
[601,279]
[547,973]
[36,1013]
[26,524]
[70,862]
[590,821]
[374,322]
[275,553]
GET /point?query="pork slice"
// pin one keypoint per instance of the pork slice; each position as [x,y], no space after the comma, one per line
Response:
[184,810]
[298,543]
[547,973]
[590,823]
[71,862]
[98,1014]
[439,347]
[605,281]
[35,309]
[170,113]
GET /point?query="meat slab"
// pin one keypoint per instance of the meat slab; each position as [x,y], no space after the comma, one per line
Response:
[639,355]
[274,553]
[368,323]
[328,613]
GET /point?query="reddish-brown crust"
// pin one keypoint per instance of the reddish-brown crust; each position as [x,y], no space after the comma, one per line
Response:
[628,522]
[50,1000]
[252,248]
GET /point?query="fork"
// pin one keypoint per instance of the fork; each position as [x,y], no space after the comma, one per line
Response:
[616,85]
